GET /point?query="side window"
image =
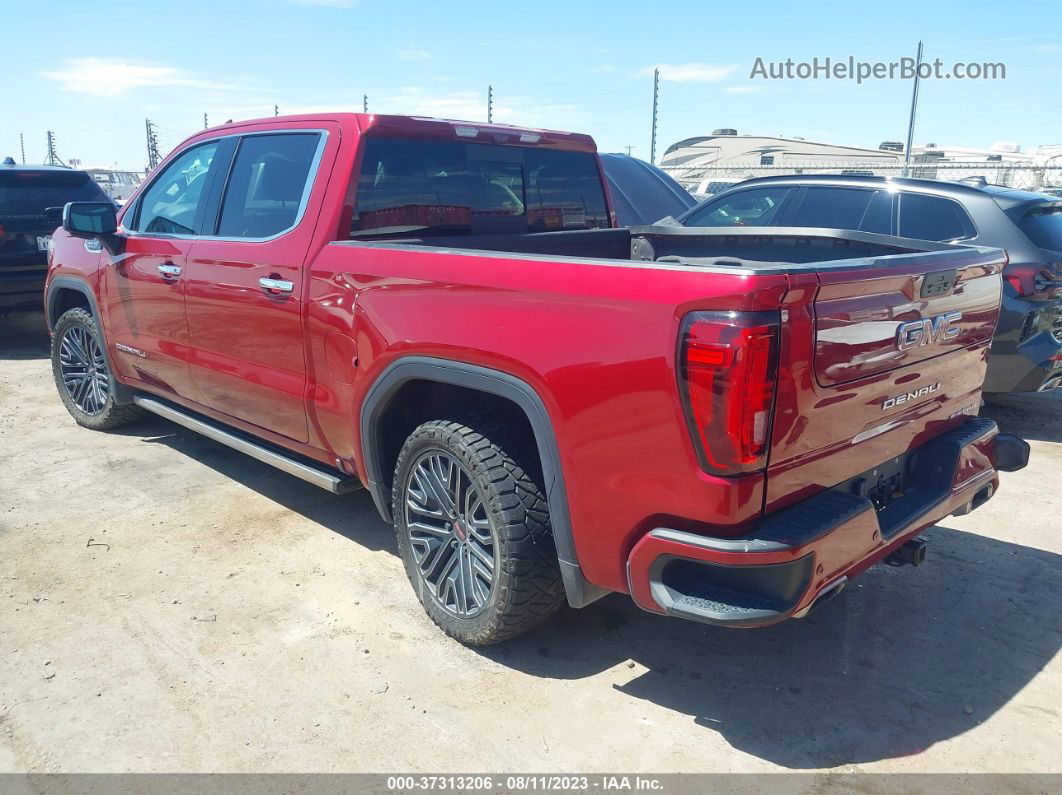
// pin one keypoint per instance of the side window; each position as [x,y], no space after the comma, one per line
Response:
[832,208]
[755,207]
[878,217]
[269,177]
[933,218]
[171,205]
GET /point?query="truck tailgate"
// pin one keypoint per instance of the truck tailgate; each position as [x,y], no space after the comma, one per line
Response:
[877,357]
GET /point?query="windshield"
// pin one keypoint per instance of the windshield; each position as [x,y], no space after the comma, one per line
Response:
[31,192]
[453,186]
[1043,226]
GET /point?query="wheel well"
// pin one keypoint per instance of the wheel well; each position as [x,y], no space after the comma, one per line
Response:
[419,400]
[66,299]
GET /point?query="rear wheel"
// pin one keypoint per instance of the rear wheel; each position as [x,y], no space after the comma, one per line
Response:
[82,376]
[473,531]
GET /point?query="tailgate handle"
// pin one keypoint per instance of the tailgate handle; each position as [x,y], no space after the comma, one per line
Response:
[938,283]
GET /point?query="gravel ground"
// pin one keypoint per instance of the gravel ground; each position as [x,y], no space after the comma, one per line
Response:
[171,605]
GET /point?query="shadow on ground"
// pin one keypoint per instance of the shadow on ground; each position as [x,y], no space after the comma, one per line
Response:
[24,335]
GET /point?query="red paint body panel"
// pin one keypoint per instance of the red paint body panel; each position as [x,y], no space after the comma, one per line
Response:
[596,340]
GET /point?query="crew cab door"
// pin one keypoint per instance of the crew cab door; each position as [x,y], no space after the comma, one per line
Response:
[244,286]
[143,287]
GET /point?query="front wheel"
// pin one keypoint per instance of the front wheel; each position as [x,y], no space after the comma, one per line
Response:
[474,534]
[82,376]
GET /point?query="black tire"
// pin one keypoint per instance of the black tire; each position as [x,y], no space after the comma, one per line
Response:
[525,588]
[87,391]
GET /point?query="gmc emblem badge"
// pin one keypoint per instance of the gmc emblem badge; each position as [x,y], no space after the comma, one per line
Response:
[931,329]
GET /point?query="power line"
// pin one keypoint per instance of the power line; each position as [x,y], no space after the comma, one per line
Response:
[52,158]
[152,145]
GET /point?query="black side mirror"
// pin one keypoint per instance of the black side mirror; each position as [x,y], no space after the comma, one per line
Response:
[93,220]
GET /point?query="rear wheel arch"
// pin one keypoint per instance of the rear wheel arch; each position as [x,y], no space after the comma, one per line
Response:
[415,376]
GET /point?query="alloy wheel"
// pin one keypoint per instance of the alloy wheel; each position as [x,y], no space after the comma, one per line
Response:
[84,370]
[450,534]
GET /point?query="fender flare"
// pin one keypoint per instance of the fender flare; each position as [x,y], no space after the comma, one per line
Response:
[579,591]
[123,395]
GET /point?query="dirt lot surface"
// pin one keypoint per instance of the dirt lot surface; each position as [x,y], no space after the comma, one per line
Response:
[171,605]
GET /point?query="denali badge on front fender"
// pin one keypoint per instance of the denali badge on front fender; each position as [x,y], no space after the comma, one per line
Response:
[908,396]
[931,329]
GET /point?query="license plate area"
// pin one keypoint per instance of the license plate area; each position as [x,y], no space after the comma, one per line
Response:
[886,483]
[43,241]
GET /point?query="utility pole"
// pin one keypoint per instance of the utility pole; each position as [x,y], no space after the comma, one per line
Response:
[153,156]
[656,94]
[629,148]
[206,124]
[22,144]
[911,122]
[490,104]
[276,110]
[52,159]
[364,103]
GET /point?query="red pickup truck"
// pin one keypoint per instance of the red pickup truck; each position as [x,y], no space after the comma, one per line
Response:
[725,424]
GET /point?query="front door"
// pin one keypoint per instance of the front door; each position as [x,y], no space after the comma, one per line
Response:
[143,287]
[244,285]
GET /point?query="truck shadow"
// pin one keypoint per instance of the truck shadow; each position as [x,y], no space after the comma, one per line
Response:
[24,335]
[902,660]
[1032,416]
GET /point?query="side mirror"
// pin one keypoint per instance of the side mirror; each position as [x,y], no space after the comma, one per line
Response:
[90,219]
[94,221]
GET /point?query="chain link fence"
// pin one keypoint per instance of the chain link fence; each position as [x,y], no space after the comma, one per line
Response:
[1013,174]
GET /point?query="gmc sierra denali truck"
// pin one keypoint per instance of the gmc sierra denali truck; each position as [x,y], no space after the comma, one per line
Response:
[728,426]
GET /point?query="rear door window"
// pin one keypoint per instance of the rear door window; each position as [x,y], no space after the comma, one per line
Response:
[268,184]
[753,207]
[419,186]
[924,217]
[832,208]
[1043,226]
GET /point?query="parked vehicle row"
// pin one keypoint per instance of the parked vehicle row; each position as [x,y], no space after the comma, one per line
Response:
[728,425]
[1027,350]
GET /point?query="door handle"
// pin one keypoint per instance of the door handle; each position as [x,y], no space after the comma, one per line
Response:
[276,286]
[168,269]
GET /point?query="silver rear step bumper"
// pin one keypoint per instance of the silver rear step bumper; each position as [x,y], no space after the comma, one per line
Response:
[332,481]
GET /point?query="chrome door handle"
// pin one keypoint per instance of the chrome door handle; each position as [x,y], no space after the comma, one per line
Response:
[276,285]
[170,269]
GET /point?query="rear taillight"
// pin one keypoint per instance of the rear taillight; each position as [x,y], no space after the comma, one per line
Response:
[727,373]
[1033,281]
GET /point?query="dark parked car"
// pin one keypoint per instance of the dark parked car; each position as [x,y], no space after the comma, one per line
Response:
[642,193]
[26,192]
[1027,350]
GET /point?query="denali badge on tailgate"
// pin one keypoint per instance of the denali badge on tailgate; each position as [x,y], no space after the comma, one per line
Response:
[931,329]
[906,396]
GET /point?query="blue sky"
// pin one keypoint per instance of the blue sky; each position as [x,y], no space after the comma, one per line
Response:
[93,71]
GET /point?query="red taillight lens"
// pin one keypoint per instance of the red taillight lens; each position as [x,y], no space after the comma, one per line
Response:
[1033,281]
[727,373]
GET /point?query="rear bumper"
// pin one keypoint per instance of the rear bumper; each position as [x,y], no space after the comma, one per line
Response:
[808,551]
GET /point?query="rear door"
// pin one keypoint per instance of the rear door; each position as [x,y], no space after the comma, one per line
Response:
[144,286]
[881,355]
[244,280]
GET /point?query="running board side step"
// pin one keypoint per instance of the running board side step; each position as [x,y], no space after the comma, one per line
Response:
[318,476]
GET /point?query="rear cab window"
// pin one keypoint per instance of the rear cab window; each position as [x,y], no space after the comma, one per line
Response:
[925,217]
[1043,226]
[408,185]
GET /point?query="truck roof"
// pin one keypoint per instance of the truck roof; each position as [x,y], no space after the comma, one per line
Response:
[427,127]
